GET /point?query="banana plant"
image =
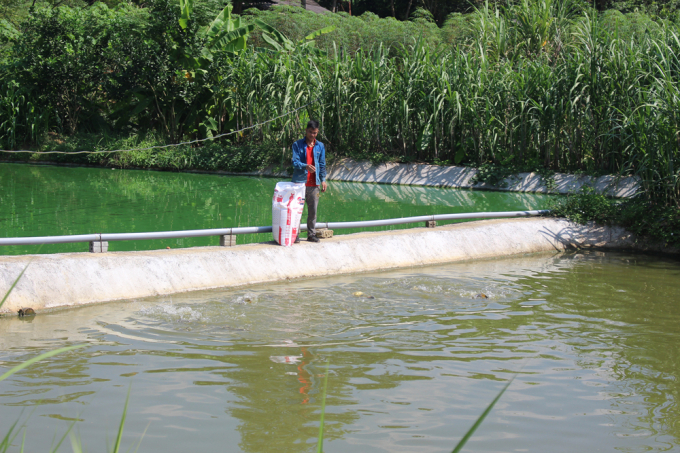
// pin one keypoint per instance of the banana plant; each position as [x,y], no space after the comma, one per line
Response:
[188,103]
[224,34]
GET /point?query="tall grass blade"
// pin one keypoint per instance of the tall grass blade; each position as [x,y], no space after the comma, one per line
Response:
[319,446]
[76,445]
[55,449]
[17,280]
[7,440]
[142,437]
[116,447]
[44,356]
[13,285]
[481,418]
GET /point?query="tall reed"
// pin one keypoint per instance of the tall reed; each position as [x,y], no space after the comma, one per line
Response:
[542,85]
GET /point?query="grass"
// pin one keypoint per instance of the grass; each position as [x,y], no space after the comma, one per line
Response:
[11,434]
[38,358]
[11,288]
[480,419]
[14,284]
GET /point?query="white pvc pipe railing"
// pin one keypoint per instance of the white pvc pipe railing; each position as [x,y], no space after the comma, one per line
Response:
[105,237]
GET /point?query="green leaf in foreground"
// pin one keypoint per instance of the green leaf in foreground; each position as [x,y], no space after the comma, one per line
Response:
[319,447]
[116,447]
[44,356]
[12,287]
[9,438]
[481,418]
[61,441]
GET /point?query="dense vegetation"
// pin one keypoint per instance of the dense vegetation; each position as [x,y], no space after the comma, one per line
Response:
[535,85]
[439,10]
[649,221]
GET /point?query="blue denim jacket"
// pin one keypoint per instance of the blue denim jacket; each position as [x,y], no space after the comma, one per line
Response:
[300,161]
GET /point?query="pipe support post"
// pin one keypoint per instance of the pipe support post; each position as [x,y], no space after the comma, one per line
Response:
[99,246]
[227,240]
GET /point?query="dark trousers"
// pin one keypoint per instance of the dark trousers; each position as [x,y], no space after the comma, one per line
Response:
[312,202]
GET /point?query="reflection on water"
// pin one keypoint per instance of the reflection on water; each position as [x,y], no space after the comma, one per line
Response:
[49,201]
[592,338]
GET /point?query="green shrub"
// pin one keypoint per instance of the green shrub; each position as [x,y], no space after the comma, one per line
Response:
[78,63]
[644,218]
[651,220]
[586,206]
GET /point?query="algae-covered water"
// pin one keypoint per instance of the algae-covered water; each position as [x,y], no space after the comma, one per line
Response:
[50,201]
[591,339]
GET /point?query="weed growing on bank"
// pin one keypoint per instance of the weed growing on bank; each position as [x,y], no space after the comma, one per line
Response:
[642,217]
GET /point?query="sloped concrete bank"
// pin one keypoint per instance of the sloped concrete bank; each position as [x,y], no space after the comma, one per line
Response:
[462,177]
[80,278]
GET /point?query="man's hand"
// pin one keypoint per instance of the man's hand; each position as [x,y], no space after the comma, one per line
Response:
[323,186]
[311,168]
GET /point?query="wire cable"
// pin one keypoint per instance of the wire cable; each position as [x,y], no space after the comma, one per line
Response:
[25,151]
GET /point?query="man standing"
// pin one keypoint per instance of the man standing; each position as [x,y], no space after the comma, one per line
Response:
[309,166]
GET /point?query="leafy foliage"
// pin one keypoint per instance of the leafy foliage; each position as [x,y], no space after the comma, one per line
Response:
[643,217]
[586,206]
[79,62]
[349,33]
[548,86]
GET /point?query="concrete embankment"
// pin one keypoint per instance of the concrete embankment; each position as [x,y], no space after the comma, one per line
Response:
[73,279]
[462,178]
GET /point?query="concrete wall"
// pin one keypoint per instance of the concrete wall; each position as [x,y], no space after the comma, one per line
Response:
[461,177]
[80,278]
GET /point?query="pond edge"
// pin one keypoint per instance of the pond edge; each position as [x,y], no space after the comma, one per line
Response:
[73,279]
[417,174]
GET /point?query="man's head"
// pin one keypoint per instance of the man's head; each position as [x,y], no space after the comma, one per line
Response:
[312,130]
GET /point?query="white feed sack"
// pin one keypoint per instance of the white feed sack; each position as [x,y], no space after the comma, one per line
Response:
[287,205]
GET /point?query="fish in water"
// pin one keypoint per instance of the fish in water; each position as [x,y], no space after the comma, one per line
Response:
[481,296]
[26,312]
[358,294]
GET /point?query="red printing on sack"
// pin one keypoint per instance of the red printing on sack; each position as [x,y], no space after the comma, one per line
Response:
[289,213]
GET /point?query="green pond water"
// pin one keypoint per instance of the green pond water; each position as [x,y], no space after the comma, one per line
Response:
[51,201]
[592,339]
